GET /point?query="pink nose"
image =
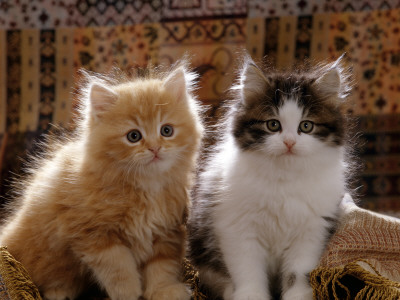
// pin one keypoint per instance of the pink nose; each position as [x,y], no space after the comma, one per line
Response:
[289,143]
[154,149]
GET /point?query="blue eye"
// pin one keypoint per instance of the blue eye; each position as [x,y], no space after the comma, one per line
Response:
[134,136]
[167,130]
[306,126]
[273,125]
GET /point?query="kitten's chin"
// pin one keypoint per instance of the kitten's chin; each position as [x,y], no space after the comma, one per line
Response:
[285,155]
[157,165]
[289,153]
[288,156]
[154,160]
[277,154]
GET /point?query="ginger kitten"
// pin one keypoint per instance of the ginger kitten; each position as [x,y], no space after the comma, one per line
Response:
[271,188]
[109,203]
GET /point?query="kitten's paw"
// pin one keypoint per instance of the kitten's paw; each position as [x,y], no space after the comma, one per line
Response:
[298,293]
[175,291]
[250,294]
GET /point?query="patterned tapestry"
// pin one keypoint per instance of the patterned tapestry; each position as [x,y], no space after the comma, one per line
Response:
[44,43]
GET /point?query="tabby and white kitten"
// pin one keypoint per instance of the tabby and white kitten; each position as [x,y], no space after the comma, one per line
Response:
[110,203]
[272,186]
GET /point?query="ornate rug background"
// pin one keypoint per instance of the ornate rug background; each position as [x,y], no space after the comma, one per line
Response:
[44,43]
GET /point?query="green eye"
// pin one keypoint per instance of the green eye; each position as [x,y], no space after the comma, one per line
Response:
[306,126]
[273,125]
[134,136]
[167,130]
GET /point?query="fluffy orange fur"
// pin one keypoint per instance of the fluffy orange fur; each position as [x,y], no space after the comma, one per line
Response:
[103,207]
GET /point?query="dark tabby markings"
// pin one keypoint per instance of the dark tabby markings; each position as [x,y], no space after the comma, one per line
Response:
[203,248]
[203,251]
[249,133]
[328,119]
[334,129]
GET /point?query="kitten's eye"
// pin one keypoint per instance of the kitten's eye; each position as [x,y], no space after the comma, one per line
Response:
[134,136]
[273,125]
[306,126]
[167,130]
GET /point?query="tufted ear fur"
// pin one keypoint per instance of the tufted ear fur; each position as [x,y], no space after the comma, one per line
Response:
[331,81]
[252,81]
[101,98]
[178,82]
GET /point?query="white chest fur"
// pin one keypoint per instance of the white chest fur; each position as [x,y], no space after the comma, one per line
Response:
[278,201]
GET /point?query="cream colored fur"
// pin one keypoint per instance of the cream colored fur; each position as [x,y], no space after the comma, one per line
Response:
[101,207]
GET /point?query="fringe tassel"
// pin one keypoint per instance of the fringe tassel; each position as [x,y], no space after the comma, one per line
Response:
[191,277]
[16,278]
[352,282]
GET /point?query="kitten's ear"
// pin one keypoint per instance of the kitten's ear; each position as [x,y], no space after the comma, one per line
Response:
[330,82]
[101,97]
[179,82]
[253,83]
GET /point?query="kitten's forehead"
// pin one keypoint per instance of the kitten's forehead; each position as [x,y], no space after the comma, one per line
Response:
[145,100]
[290,88]
[290,113]
[295,94]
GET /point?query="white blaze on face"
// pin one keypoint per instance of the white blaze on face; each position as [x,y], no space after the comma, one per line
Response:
[289,140]
[290,116]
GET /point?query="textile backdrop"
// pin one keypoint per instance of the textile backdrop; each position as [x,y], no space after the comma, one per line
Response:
[44,43]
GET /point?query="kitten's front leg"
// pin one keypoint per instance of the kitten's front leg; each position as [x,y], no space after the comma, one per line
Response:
[163,272]
[116,270]
[299,261]
[245,259]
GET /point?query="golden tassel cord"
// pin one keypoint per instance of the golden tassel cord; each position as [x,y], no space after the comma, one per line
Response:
[352,282]
[191,278]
